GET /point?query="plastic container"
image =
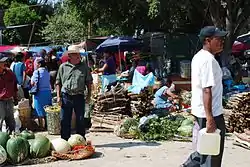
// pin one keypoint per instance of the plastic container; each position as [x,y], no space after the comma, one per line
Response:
[185,69]
[208,143]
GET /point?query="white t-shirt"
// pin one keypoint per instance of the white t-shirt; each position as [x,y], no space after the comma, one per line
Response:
[206,72]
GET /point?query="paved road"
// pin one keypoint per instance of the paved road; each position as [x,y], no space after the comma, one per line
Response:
[116,152]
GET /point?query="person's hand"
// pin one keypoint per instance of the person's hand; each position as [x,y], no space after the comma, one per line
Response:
[211,125]
[59,101]
[175,97]
[170,98]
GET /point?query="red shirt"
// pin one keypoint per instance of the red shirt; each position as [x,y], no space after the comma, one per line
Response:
[8,85]
[29,67]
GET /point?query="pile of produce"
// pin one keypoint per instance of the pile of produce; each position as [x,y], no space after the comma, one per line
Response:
[20,148]
[239,119]
[141,103]
[111,107]
[186,97]
[128,128]
[26,149]
[157,128]
[76,148]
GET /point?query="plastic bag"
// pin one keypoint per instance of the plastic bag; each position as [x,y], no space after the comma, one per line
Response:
[226,73]
[18,121]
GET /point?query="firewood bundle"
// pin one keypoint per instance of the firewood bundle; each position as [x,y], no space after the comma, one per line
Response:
[239,118]
[141,104]
[116,101]
[111,107]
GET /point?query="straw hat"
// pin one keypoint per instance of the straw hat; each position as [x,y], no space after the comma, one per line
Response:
[73,49]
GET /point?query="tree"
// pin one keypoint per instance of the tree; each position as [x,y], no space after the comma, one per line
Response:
[231,15]
[18,14]
[64,26]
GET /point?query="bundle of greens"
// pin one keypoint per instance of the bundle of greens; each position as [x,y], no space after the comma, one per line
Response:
[128,128]
[159,129]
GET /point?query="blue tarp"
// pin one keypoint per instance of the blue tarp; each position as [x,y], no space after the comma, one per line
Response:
[47,48]
[140,81]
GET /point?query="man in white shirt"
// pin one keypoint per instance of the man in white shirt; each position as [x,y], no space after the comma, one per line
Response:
[207,93]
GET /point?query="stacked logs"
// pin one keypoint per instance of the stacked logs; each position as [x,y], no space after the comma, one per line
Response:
[110,108]
[239,119]
[141,104]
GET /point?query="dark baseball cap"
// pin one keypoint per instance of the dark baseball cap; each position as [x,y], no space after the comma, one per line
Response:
[212,31]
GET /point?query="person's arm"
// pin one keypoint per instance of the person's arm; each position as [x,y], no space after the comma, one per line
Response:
[15,89]
[89,81]
[207,82]
[171,94]
[59,85]
[34,78]
[103,68]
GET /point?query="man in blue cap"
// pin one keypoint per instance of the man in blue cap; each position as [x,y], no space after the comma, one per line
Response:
[207,93]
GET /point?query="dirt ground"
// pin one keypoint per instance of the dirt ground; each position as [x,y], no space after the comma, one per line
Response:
[114,151]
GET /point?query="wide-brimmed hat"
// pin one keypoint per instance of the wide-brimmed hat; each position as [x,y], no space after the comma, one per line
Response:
[73,49]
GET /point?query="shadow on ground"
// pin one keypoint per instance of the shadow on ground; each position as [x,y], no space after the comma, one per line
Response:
[128,144]
[97,155]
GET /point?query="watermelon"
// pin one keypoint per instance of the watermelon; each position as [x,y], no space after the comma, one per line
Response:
[4,137]
[17,149]
[27,134]
[3,155]
[40,147]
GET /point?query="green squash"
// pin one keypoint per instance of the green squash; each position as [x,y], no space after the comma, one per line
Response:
[27,134]
[40,147]
[187,122]
[4,137]
[17,149]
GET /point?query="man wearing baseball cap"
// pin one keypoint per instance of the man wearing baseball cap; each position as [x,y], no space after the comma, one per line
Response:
[207,93]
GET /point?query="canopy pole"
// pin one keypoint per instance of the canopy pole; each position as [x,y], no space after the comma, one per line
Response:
[120,60]
[1,38]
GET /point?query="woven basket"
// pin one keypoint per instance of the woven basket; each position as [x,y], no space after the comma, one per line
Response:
[74,155]
[53,123]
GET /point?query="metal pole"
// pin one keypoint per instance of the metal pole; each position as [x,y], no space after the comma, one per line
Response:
[31,34]
[1,37]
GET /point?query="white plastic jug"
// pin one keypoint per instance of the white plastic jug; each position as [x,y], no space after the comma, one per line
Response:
[208,143]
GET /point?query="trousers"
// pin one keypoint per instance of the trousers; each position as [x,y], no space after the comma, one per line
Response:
[198,160]
[7,115]
[70,102]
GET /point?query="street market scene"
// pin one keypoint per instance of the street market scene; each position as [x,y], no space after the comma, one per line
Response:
[134,82]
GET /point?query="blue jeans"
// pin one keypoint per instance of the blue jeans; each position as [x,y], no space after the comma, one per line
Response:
[69,102]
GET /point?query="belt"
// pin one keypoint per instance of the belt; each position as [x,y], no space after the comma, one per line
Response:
[6,99]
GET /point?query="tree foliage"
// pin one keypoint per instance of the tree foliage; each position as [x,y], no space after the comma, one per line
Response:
[18,14]
[64,26]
